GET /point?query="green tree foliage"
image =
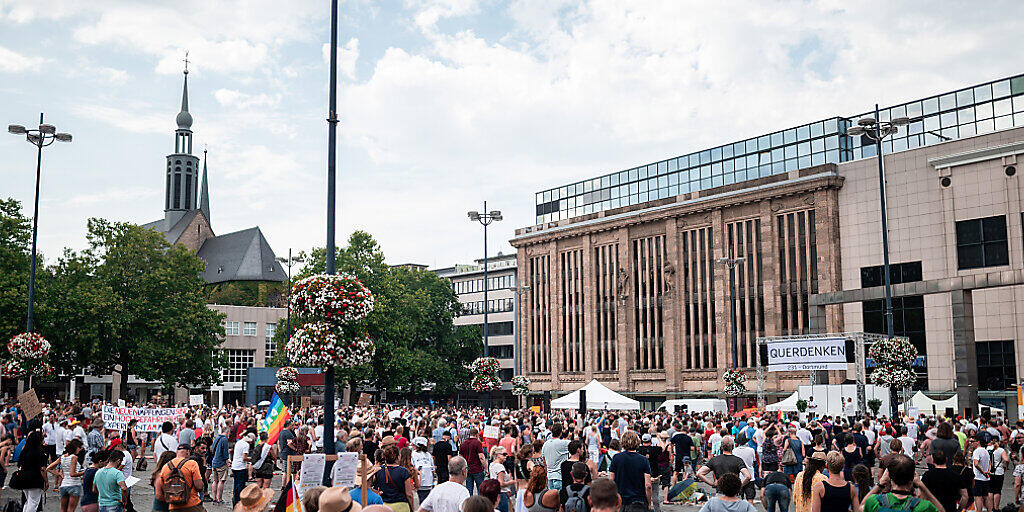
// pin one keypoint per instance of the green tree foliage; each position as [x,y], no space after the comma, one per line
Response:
[132,303]
[417,343]
[247,293]
[15,237]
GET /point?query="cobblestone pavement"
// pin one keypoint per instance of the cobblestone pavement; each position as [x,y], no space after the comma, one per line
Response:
[142,496]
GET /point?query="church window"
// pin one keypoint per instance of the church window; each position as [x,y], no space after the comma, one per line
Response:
[188,191]
[177,190]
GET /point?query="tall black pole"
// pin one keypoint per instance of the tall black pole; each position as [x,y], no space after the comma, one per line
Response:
[35,230]
[288,322]
[332,123]
[885,246]
[487,394]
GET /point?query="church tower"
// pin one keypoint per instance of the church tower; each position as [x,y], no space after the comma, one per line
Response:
[181,191]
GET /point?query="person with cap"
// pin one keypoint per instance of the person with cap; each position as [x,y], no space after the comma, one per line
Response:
[653,453]
[182,464]
[253,499]
[424,464]
[241,466]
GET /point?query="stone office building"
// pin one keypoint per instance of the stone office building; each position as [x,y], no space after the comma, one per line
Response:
[656,279]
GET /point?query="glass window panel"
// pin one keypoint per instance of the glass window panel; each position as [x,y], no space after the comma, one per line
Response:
[673,190]
[778,167]
[694,160]
[673,179]
[947,101]
[777,139]
[883,115]
[663,167]
[948,119]
[965,115]
[899,144]
[914,109]
[993,228]
[900,111]
[728,166]
[817,145]
[642,172]
[684,188]
[867,151]
[1002,107]
[1018,104]
[968,130]
[739,148]
[623,177]
[789,136]
[716,181]
[832,156]
[804,162]
[803,132]
[964,98]
[913,141]
[751,146]
[986,126]
[705,171]
[705,183]
[751,161]
[662,181]
[1004,122]
[790,151]
[931,123]
[915,127]
[817,130]
[817,159]
[633,175]
[951,132]
[716,154]
[705,157]
[983,93]
[728,178]
[727,151]
[613,180]
[764,170]
[741,163]
[741,175]
[996,254]
[716,168]
[831,126]
[791,165]
[778,155]
[968,232]
[832,142]
[930,106]
[764,142]
[765,157]
[1001,89]
[804,148]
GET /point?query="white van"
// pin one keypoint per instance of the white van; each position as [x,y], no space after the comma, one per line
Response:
[692,405]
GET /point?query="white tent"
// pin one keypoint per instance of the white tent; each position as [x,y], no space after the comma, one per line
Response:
[787,405]
[928,405]
[598,397]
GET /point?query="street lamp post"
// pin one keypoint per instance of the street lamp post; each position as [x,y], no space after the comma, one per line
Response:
[332,136]
[485,219]
[41,137]
[289,261]
[877,130]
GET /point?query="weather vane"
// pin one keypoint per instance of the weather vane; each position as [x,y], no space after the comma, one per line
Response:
[186,62]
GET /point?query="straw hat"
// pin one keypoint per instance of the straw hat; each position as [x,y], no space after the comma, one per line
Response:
[387,441]
[253,499]
[338,499]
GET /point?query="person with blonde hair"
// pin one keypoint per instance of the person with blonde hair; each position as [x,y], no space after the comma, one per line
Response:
[631,473]
[834,494]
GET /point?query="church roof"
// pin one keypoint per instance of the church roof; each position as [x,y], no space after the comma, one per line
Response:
[172,235]
[240,256]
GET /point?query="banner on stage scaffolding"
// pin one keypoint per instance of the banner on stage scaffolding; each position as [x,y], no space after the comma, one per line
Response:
[803,354]
[150,420]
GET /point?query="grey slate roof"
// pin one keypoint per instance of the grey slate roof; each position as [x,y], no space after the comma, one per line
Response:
[240,256]
[176,230]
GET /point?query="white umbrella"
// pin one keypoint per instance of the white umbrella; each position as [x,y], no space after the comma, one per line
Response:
[265,403]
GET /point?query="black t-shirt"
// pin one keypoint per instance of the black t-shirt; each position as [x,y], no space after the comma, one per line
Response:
[629,469]
[442,450]
[776,477]
[722,464]
[653,453]
[563,495]
[369,448]
[683,443]
[945,484]
[566,470]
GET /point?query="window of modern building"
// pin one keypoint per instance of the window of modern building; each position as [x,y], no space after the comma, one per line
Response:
[238,361]
[505,374]
[497,328]
[982,243]
[249,329]
[496,306]
[231,328]
[269,347]
[898,273]
[500,351]
[996,367]
[907,319]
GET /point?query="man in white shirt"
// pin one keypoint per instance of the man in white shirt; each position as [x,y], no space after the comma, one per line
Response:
[749,456]
[241,467]
[165,441]
[804,435]
[50,437]
[449,496]
[909,444]
[982,463]
[79,431]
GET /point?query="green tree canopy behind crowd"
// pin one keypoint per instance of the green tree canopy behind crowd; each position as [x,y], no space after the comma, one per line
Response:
[417,343]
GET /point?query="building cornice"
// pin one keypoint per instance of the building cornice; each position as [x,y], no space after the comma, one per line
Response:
[827,179]
[977,155]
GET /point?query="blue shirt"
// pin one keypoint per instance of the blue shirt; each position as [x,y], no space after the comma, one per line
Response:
[371,496]
[106,481]
[220,452]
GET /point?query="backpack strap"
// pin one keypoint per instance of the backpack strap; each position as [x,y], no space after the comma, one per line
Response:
[883,500]
[910,504]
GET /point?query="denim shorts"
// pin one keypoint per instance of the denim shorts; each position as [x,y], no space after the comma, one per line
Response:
[71,490]
[112,508]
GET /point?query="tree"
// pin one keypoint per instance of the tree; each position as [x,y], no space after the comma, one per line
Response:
[134,304]
[416,342]
[15,237]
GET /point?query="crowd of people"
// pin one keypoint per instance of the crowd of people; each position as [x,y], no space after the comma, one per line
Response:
[421,459]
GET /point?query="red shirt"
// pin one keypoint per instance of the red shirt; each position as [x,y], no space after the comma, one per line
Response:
[470,450]
[402,442]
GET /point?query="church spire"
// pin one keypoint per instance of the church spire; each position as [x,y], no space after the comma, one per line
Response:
[204,193]
[184,119]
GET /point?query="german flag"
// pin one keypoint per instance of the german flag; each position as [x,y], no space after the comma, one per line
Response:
[289,500]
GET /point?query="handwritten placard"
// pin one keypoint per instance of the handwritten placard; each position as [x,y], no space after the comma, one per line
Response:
[365,399]
[30,404]
[149,420]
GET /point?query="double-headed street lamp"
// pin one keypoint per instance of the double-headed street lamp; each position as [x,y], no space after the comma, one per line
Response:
[485,219]
[40,137]
[289,261]
[877,130]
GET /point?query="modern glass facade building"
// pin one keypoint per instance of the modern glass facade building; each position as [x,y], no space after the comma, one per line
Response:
[967,112]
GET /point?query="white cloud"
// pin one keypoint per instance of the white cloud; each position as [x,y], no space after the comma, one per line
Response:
[237,99]
[136,120]
[119,195]
[21,11]
[348,55]
[13,62]
[429,12]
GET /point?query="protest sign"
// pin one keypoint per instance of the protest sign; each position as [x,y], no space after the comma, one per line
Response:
[117,418]
[30,404]
[492,431]
[312,472]
[345,469]
[364,399]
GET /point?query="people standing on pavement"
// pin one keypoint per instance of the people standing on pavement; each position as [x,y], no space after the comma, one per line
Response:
[632,475]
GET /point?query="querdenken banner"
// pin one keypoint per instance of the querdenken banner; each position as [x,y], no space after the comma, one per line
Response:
[807,354]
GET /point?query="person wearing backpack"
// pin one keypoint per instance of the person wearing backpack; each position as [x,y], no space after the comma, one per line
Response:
[904,482]
[574,497]
[181,482]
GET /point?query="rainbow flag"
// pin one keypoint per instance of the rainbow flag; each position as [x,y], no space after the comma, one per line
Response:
[277,414]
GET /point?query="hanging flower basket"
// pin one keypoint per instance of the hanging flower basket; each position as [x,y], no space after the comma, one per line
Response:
[12,369]
[521,381]
[520,391]
[286,387]
[893,351]
[28,346]
[485,382]
[323,344]
[287,373]
[333,298]
[893,376]
[734,380]
[485,365]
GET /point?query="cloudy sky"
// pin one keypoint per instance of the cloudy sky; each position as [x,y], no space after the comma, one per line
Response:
[443,103]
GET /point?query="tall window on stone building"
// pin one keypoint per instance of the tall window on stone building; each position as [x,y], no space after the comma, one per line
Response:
[698,291]
[606,269]
[746,290]
[982,243]
[538,341]
[997,369]
[249,329]
[572,310]
[649,286]
[269,347]
[238,361]
[798,269]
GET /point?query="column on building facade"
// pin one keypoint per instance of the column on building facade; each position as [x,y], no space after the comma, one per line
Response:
[723,349]
[965,359]
[555,313]
[672,306]
[590,310]
[829,267]
[624,310]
